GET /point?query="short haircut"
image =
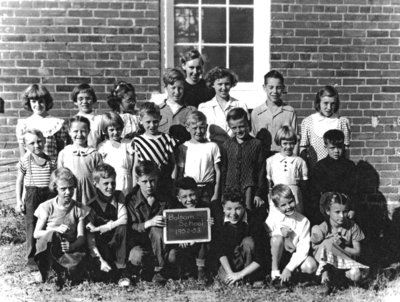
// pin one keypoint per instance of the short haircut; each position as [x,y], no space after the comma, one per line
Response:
[190,55]
[36,91]
[185,183]
[146,167]
[334,137]
[103,171]
[219,73]
[233,195]
[149,108]
[111,118]
[171,75]
[285,133]
[63,174]
[114,99]
[328,91]
[281,191]
[273,74]
[329,198]
[32,131]
[237,114]
[82,88]
[79,119]
[195,117]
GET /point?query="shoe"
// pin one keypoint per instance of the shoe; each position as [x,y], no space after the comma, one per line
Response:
[60,282]
[124,282]
[327,288]
[31,265]
[201,276]
[158,278]
[276,283]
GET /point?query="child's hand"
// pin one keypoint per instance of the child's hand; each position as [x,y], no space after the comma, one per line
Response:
[20,208]
[351,214]
[62,228]
[214,198]
[103,228]
[186,244]
[337,238]
[91,228]
[286,275]
[286,231]
[104,266]
[157,221]
[231,278]
[210,221]
[65,246]
[258,202]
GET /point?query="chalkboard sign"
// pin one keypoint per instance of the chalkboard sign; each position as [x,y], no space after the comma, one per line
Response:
[185,225]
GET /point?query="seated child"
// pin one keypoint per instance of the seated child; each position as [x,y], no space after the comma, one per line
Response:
[107,225]
[200,159]
[337,242]
[146,222]
[290,237]
[189,255]
[60,229]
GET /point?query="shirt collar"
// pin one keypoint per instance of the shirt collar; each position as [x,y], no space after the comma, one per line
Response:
[282,158]
[82,151]
[319,117]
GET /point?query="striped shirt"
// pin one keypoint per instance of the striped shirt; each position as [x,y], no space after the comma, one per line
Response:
[35,175]
[154,149]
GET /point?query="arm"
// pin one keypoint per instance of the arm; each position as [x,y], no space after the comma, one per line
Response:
[217,182]
[233,277]
[225,264]
[171,160]
[22,150]
[302,248]
[18,189]
[355,250]
[293,124]
[110,225]
[80,238]
[95,253]
[135,163]
[262,187]
[40,230]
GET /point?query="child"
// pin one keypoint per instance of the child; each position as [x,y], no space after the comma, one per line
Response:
[122,100]
[200,158]
[290,237]
[146,222]
[84,98]
[34,170]
[60,229]
[107,225]
[117,151]
[80,158]
[337,241]
[222,80]
[244,160]
[314,126]
[195,88]
[155,146]
[286,168]
[334,173]
[173,110]
[37,99]
[269,117]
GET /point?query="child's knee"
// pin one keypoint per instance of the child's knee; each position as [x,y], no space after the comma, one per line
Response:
[248,243]
[173,256]
[354,274]
[136,256]
[309,266]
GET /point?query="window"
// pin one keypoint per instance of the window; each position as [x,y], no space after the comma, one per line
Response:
[231,33]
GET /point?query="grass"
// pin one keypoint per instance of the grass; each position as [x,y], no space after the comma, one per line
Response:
[16,283]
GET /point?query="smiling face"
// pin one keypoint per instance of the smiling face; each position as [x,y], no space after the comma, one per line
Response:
[234,211]
[175,91]
[274,89]
[287,147]
[105,187]
[150,123]
[337,214]
[84,102]
[187,197]
[334,151]
[34,143]
[286,206]
[327,106]
[114,133]
[79,132]
[147,184]
[38,106]
[240,128]
[222,87]
[193,70]
[65,190]
[197,130]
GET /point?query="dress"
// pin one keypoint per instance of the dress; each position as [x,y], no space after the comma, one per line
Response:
[131,124]
[313,128]
[54,129]
[82,162]
[120,157]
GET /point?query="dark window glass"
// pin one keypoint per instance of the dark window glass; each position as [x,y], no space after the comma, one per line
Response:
[241,61]
[186,25]
[213,1]
[213,56]
[242,1]
[185,1]
[214,25]
[241,25]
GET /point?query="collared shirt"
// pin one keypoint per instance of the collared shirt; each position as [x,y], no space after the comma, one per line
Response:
[266,124]
[169,118]
[287,170]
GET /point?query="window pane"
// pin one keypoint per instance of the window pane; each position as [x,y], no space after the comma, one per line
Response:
[214,25]
[241,1]
[213,56]
[213,1]
[186,25]
[241,25]
[241,61]
[186,1]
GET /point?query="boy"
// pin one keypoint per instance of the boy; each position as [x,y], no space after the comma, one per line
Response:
[290,237]
[244,162]
[273,114]
[173,110]
[146,223]
[200,158]
[239,241]
[107,225]
[334,173]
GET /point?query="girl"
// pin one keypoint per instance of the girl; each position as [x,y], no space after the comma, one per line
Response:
[314,126]
[60,228]
[37,99]
[80,158]
[337,241]
[286,168]
[195,88]
[156,147]
[117,151]
[122,100]
[222,80]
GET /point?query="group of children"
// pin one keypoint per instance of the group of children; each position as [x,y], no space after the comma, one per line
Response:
[97,186]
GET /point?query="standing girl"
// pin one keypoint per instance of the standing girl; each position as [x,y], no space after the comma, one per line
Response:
[116,151]
[80,158]
[37,99]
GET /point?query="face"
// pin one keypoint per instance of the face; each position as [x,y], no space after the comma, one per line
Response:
[150,123]
[327,106]
[114,133]
[187,198]
[287,147]
[194,70]
[274,89]
[84,102]
[106,186]
[337,214]
[147,184]
[222,87]
[233,211]
[240,128]
[65,190]
[175,91]
[34,143]
[128,102]
[334,152]
[197,130]
[286,206]
[38,105]
[79,132]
